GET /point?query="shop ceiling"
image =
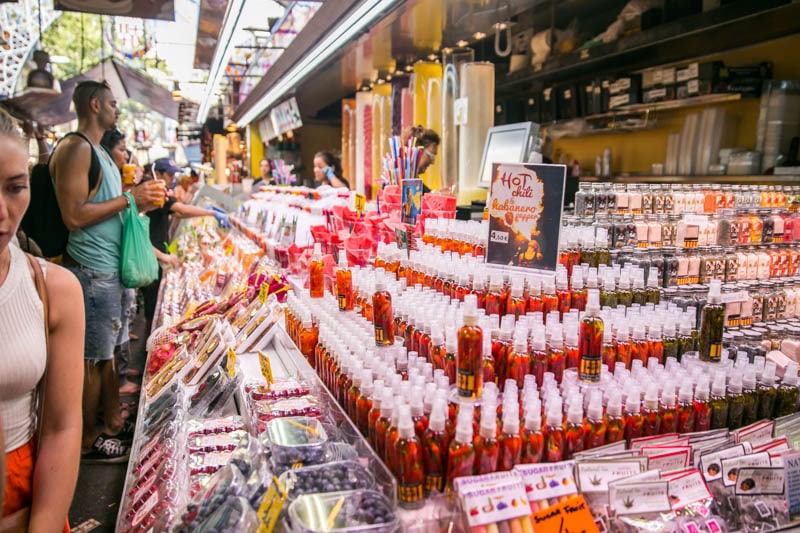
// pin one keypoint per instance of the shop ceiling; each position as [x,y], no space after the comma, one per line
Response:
[416,29]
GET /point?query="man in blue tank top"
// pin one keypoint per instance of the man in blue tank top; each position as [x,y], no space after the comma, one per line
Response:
[93,255]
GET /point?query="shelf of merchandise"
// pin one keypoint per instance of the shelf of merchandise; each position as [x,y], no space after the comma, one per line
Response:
[693,180]
[732,26]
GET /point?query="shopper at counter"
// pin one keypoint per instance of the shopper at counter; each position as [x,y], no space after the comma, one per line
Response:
[266,175]
[36,364]
[93,255]
[428,141]
[328,171]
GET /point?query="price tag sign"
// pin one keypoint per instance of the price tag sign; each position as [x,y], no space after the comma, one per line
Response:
[271,505]
[266,367]
[230,365]
[570,515]
[460,111]
[361,202]
[263,292]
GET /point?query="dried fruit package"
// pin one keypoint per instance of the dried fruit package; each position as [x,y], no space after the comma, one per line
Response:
[761,499]
[280,388]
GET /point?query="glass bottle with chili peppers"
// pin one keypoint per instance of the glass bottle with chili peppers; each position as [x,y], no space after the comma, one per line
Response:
[634,420]
[383,318]
[495,303]
[578,292]
[571,346]
[590,341]
[316,273]
[488,364]
[374,413]
[640,347]
[615,422]
[557,356]
[364,402]
[549,297]
[539,356]
[435,444]
[520,363]
[517,303]
[574,437]
[408,453]
[510,442]
[685,409]
[470,352]
[563,294]
[596,424]
[392,436]
[702,409]
[650,413]
[344,284]
[532,436]
[383,423]
[554,445]
[451,355]
[487,448]
[609,350]
[534,295]
[670,415]
[461,452]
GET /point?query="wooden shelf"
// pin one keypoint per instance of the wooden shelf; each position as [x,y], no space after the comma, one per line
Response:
[739,24]
[731,180]
[685,103]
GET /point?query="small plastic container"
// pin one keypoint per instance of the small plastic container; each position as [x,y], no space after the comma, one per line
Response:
[358,511]
[281,388]
[267,410]
[298,439]
[331,477]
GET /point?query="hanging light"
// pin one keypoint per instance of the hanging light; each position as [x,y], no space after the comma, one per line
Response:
[41,77]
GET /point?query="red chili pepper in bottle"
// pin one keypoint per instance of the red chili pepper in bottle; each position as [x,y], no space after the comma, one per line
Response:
[383,423]
[573,354]
[494,299]
[488,365]
[686,423]
[501,347]
[519,362]
[309,337]
[450,357]
[650,412]
[634,420]
[574,437]
[623,346]
[532,437]
[510,444]
[435,444]
[343,385]
[392,436]
[578,294]
[375,414]
[344,284]
[400,326]
[702,410]
[539,357]
[656,347]
[408,455]
[487,449]
[438,282]
[383,318]
[470,352]
[353,393]
[364,405]
[554,435]
[609,350]
[461,288]
[557,357]
[615,422]
[669,412]
[535,296]
[438,350]
[410,335]
[640,347]
[596,426]
[549,298]
[424,344]
[461,453]
[563,295]
[517,306]
[591,340]
[316,273]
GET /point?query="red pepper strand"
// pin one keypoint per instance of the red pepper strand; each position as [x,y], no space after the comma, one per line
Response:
[486,452]
[657,350]
[533,447]
[392,459]
[624,356]
[554,444]
[564,302]
[686,423]
[574,440]
[381,430]
[510,451]
[469,360]
[500,350]
[556,363]
[573,357]
[652,423]
[450,367]
[535,303]
[634,426]
[516,307]
[363,408]
[595,433]
[702,416]
[410,474]
[539,363]
[578,299]
[434,459]
[669,420]
[316,279]
[610,356]
[460,461]
[615,429]
[549,303]
[519,367]
[493,304]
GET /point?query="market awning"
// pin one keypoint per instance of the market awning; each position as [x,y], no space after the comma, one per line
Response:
[126,83]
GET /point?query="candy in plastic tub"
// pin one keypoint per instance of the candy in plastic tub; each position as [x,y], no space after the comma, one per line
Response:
[280,388]
[352,511]
[296,439]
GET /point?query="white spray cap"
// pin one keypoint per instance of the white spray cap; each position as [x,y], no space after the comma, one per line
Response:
[470,308]
[593,302]
[416,401]
[768,375]
[342,259]
[554,415]
[749,379]
[464,427]
[577,278]
[405,425]
[735,384]
[438,415]
[595,410]
[614,407]
[718,387]
[651,397]
[317,250]
[575,413]
[633,402]
[701,389]
[685,394]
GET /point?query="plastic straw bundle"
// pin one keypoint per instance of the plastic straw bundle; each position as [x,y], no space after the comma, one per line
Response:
[401,162]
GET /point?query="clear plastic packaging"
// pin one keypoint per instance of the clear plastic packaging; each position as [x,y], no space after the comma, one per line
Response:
[213,394]
[352,511]
[296,440]
[233,516]
[265,410]
[331,477]
[280,388]
[227,482]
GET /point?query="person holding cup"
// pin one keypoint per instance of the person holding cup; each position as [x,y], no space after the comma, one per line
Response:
[93,254]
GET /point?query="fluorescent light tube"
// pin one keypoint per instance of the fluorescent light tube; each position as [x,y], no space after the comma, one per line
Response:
[359,19]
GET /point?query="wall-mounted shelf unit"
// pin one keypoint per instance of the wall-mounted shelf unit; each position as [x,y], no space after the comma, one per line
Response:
[690,180]
[731,26]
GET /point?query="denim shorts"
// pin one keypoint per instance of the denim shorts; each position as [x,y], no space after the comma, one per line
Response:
[102,298]
[127,308]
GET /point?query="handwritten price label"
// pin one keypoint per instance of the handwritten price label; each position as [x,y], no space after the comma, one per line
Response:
[266,367]
[230,365]
[570,516]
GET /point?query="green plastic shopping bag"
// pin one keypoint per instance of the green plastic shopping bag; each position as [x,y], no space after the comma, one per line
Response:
[139,266]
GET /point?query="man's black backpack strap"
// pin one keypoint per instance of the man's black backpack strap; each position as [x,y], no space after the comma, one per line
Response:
[94,166]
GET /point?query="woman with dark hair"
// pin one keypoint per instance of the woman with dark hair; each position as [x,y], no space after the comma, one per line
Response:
[328,171]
